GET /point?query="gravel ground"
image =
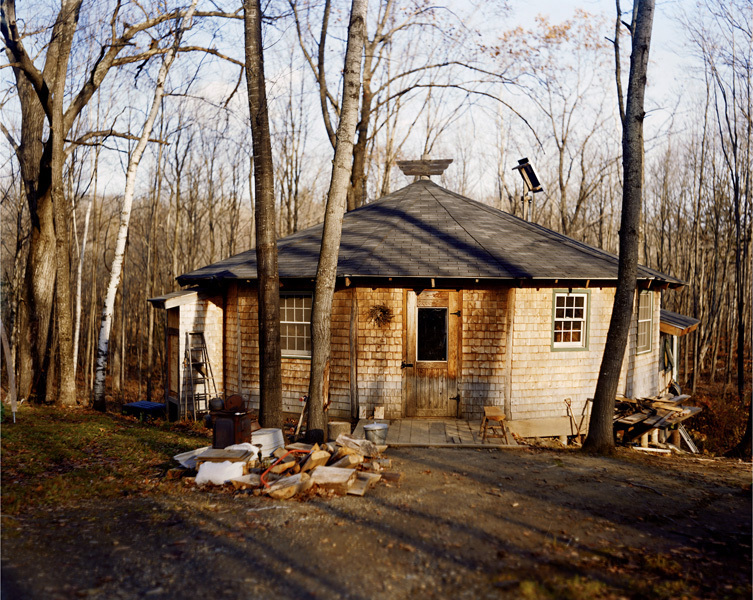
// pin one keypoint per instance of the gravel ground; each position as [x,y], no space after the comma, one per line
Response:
[527,523]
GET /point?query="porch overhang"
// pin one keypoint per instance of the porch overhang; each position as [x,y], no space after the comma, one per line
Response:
[673,323]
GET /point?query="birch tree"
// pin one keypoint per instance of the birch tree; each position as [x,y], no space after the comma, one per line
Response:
[125,214]
[600,435]
[326,271]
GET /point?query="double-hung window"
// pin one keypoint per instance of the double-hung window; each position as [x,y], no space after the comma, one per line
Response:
[645,321]
[570,323]
[295,324]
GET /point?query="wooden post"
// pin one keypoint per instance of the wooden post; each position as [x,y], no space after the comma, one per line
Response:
[510,316]
[674,437]
[238,337]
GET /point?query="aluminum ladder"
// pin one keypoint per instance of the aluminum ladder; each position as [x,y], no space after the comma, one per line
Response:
[199,379]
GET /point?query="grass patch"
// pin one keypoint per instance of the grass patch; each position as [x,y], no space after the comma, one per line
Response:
[563,588]
[54,456]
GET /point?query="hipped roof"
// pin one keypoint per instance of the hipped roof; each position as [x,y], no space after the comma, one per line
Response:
[424,230]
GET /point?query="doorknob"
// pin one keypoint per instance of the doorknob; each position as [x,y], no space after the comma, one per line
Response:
[405,365]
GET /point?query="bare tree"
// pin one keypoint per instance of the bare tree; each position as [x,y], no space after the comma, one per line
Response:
[600,433]
[270,377]
[326,271]
[98,396]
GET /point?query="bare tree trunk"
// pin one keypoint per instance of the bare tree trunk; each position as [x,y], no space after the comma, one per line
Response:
[600,434]
[326,272]
[81,260]
[125,216]
[357,190]
[151,259]
[270,377]
[67,385]
[35,159]
[11,371]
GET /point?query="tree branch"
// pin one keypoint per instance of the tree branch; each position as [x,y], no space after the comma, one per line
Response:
[9,137]
[107,133]
[21,60]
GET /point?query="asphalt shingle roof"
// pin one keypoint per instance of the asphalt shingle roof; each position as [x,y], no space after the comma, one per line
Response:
[424,230]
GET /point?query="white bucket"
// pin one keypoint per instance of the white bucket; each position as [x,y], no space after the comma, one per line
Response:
[376,432]
[270,440]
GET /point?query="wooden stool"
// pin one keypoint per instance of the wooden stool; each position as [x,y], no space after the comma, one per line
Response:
[494,417]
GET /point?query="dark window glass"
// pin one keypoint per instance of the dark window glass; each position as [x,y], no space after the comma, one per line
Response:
[432,334]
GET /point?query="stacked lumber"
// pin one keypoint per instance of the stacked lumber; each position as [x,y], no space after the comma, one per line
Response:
[639,418]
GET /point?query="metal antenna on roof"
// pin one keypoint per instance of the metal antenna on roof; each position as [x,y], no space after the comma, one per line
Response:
[531,182]
[424,168]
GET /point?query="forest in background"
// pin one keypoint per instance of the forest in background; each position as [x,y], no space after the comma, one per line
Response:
[435,81]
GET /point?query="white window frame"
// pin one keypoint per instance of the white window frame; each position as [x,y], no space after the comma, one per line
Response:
[560,315]
[297,352]
[645,319]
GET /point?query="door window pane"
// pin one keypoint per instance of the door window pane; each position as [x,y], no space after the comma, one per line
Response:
[432,334]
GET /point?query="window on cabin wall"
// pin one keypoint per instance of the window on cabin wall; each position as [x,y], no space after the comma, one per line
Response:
[295,325]
[645,321]
[570,320]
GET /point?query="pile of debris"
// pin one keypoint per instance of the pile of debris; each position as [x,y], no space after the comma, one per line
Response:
[655,423]
[347,466]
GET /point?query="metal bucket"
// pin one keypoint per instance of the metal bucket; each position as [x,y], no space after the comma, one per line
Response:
[270,440]
[376,432]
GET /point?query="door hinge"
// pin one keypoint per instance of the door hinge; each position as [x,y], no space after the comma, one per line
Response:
[457,313]
[456,398]
[405,365]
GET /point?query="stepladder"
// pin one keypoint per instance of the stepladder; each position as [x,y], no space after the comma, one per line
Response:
[199,385]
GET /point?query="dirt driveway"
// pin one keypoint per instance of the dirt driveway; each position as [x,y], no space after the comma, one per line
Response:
[524,523]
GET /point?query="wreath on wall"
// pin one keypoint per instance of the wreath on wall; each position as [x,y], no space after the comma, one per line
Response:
[380,315]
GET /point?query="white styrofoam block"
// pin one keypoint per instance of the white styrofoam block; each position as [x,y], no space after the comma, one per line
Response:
[218,472]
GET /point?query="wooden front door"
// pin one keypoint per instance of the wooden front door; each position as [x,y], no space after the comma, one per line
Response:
[430,353]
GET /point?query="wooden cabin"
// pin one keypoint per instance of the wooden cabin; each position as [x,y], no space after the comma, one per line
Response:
[443,305]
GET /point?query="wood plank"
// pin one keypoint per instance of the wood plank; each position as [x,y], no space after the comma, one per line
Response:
[393,433]
[405,431]
[548,427]
[358,432]
[452,432]
[363,482]
[633,419]
[331,478]
[221,455]
[475,427]
[436,433]
[287,487]
[464,431]
[349,461]
[420,432]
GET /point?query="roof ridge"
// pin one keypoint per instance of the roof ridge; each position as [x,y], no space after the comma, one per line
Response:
[473,237]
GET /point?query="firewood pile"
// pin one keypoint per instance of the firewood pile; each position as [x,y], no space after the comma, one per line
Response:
[658,418]
[346,466]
